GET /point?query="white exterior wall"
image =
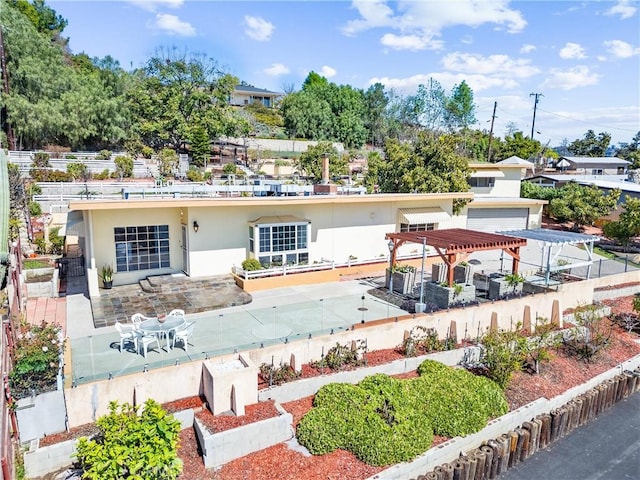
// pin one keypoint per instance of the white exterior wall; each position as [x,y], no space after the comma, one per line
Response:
[337,231]
[104,252]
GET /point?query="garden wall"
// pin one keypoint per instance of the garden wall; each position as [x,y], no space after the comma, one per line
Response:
[309,386]
[41,415]
[220,448]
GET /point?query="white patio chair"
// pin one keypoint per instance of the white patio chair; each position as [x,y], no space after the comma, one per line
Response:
[138,318]
[147,339]
[183,334]
[127,333]
[177,312]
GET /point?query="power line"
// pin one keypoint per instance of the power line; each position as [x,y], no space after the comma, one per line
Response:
[588,123]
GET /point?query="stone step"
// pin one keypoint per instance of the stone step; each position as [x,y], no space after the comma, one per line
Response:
[146,286]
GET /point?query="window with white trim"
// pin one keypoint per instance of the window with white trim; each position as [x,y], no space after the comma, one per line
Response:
[282,243]
[141,247]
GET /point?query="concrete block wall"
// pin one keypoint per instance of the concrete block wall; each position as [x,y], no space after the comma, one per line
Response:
[220,448]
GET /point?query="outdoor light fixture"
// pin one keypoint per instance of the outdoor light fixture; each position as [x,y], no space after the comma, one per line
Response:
[196,227]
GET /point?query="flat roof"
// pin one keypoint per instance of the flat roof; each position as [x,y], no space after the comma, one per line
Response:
[122,204]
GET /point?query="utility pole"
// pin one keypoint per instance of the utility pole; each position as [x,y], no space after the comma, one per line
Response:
[493,117]
[535,106]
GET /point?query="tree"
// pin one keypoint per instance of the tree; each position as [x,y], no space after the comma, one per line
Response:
[310,162]
[430,105]
[627,226]
[631,151]
[176,90]
[461,111]
[376,101]
[306,117]
[428,166]
[124,166]
[582,205]
[78,170]
[591,145]
[519,145]
[132,444]
[200,145]
[167,162]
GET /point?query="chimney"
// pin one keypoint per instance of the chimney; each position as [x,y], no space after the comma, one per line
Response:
[325,169]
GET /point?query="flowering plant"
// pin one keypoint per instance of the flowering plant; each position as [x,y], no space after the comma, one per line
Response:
[37,359]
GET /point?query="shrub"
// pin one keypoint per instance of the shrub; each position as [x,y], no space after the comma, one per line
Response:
[37,359]
[251,264]
[422,340]
[592,334]
[278,375]
[104,175]
[195,175]
[402,268]
[341,356]
[124,166]
[35,210]
[383,420]
[103,155]
[501,355]
[132,445]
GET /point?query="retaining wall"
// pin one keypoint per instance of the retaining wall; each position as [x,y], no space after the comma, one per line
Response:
[220,448]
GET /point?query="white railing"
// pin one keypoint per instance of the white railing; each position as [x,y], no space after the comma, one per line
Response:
[315,267]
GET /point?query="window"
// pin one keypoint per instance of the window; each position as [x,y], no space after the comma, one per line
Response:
[596,171]
[141,248]
[418,227]
[278,243]
[482,182]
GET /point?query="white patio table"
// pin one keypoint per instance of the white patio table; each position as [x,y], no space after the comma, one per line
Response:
[162,329]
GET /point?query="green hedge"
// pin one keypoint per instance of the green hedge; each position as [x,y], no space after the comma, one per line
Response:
[384,420]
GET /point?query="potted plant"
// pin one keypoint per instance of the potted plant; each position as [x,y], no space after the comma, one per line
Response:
[106,274]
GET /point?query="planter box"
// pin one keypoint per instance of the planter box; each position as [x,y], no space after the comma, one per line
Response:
[403,283]
[230,385]
[41,282]
[463,274]
[498,288]
[444,297]
[223,447]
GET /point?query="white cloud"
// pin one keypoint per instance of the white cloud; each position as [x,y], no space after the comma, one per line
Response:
[276,69]
[579,76]
[152,5]
[467,40]
[327,71]
[446,79]
[620,49]
[409,42]
[622,8]
[419,22]
[572,50]
[172,25]
[501,65]
[258,28]
[527,48]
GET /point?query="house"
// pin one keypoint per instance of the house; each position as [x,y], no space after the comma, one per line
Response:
[208,236]
[593,165]
[604,183]
[246,95]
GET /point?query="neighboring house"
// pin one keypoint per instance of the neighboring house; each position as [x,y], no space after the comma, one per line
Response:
[593,165]
[207,236]
[606,184]
[528,167]
[246,95]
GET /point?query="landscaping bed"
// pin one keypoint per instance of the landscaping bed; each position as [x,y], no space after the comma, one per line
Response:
[283,462]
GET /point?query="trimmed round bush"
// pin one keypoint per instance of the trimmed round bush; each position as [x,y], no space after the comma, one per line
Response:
[384,420]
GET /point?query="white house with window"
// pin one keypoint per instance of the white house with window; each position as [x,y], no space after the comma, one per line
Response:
[208,236]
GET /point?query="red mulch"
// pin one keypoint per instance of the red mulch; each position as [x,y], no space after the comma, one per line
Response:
[253,413]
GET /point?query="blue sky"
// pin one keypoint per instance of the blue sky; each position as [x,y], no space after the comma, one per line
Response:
[583,57]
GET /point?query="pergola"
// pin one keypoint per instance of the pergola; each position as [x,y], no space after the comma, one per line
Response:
[548,239]
[454,245]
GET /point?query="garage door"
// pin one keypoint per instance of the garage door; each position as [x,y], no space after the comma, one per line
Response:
[497,219]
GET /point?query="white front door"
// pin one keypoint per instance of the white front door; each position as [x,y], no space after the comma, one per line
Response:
[185,250]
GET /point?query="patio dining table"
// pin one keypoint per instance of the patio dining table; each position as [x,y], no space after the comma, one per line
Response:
[162,329]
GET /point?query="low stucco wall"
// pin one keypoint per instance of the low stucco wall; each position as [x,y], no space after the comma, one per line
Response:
[220,448]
